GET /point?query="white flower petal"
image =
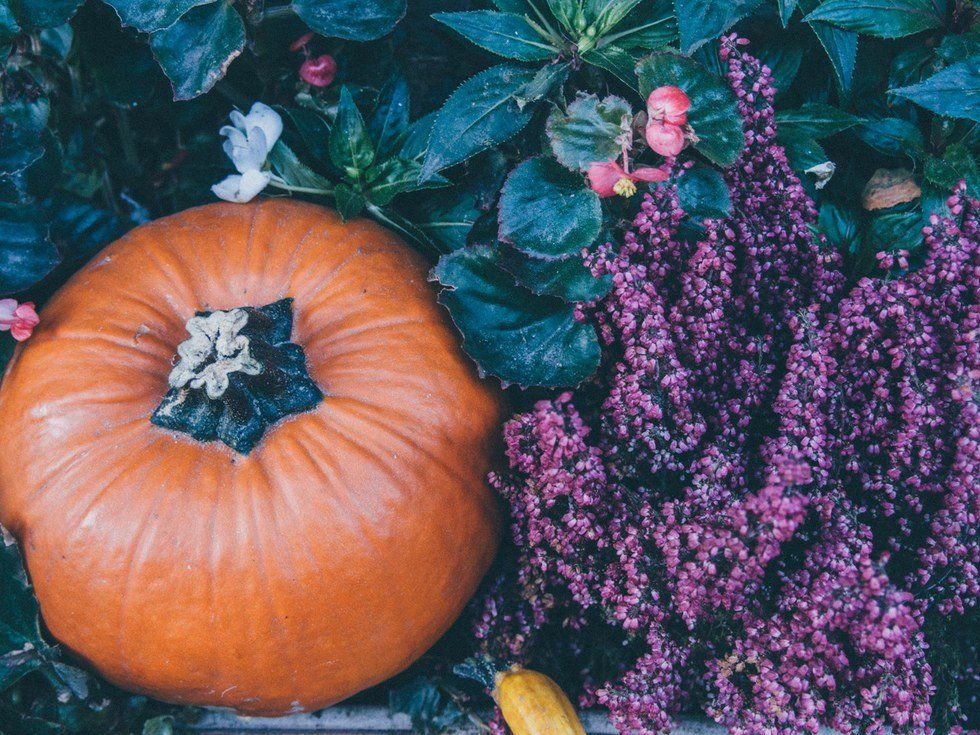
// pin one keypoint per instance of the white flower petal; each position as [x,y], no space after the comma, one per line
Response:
[242,188]
[238,120]
[263,116]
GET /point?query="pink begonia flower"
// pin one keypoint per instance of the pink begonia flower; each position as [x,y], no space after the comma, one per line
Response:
[20,319]
[300,43]
[667,115]
[609,178]
[319,71]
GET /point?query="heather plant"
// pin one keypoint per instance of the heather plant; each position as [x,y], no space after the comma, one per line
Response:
[769,492]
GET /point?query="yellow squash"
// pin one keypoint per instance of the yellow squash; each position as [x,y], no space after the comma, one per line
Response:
[532,704]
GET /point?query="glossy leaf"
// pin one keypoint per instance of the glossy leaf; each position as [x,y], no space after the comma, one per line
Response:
[840,46]
[357,20]
[547,212]
[546,79]
[881,18]
[350,203]
[349,145]
[957,163]
[9,28]
[617,61]
[504,34]
[841,227]
[714,111]
[511,333]
[195,52]
[26,252]
[699,21]
[152,15]
[650,25]
[396,176]
[293,171]
[786,8]
[818,119]
[891,136]
[589,130]
[34,14]
[19,147]
[480,114]
[567,279]
[389,119]
[802,150]
[952,92]
[703,193]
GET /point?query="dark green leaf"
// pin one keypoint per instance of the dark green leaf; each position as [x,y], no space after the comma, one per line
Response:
[313,130]
[802,150]
[395,176]
[699,21]
[429,709]
[547,78]
[349,144]
[18,607]
[26,252]
[589,130]
[909,66]
[841,227]
[783,57]
[548,212]
[957,163]
[714,111]
[416,141]
[786,8]
[959,48]
[19,147]
[511,333]
[567,279]
[895,231]
[389,120]
[953,92]
[163,725]
[891,136]
[504,34]
[293,171]
[152,15]
[9,28]
[570,14]
[196,50]
[480,114]
[702,193]
[649,26]
[617,61]
[350,203]
[34,14]
[818,119]
[357,20]
[881,18]
[840,45]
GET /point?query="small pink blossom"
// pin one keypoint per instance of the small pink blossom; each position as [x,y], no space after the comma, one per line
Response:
[608,178]
[320,71]
[667,116]
[300,43]
[20,319]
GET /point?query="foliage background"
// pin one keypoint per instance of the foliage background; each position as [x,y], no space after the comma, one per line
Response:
[109,117]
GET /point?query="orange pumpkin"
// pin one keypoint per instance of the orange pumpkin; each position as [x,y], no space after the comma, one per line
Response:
[321,556]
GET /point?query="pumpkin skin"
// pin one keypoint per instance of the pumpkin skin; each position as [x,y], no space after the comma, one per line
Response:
[324,561]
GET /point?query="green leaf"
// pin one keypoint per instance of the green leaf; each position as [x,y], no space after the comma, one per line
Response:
[892,136]
[511,333]
[895,231]
[356,20]
[802,150]
[313,129]
[786,8]
[18,607]
[395,176]
[880,18]
[20,146]
[841,227]
[959,48]
[570,14]
[34,14]
[423,701]
[195,52]
[480,114]
[702,193]
[547,78]
[293,171]
[389,120]
[350,203]
[416,142]
[162,725]
[504,34]
[840,46]
[956,163]
[783,56]
[953,92]
[714,111]
[9,28]
[589,130]
[567,279]
[152,15]
[818,119]
[548,212]
[26,252]
[617,61]
[699,21]
[650,25]
[349,144]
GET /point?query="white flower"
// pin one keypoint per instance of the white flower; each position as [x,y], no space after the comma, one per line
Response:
[241,188]
[249,140]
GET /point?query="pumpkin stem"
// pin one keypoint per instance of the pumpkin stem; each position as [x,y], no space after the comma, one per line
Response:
[236,376]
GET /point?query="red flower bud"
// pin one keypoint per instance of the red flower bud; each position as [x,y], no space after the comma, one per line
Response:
[320,71]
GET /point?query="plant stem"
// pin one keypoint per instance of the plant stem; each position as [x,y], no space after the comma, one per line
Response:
[280,184]
[280,11]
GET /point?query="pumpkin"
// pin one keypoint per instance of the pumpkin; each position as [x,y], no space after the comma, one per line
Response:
[295,510]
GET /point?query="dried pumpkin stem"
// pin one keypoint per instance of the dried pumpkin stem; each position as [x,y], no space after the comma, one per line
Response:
[237,374]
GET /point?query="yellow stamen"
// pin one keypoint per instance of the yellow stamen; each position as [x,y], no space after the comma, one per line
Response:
[624,187]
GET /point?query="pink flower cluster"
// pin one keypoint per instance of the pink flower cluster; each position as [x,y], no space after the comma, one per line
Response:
[766,504]
[19,319]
